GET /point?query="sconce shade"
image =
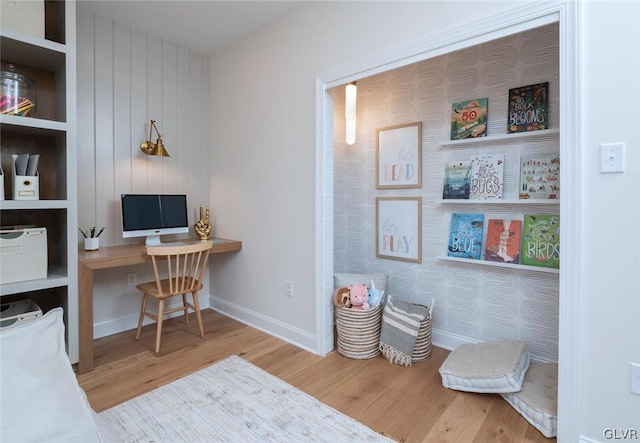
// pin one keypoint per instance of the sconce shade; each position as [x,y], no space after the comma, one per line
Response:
[157,148]
[350,112]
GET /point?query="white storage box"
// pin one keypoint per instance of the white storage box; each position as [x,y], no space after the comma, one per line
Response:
[19,312]
[23,16]
[23,254]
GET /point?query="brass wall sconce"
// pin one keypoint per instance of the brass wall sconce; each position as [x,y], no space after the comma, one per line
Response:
[157,148]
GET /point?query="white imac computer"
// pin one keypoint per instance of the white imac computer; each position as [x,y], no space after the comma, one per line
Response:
[153,215]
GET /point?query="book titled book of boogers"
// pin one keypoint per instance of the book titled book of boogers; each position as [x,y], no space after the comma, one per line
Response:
[528,108]
[502,243]
[541,241]
[465,236]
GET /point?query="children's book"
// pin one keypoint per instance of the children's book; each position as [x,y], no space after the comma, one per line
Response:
[541,241]
[469,119]
[540,176]
[503,240]
[486,176]
[465,237]
[528,108]
[457,180]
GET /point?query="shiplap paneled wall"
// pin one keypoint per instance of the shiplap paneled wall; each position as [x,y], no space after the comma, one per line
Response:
[125,79]
[472,303]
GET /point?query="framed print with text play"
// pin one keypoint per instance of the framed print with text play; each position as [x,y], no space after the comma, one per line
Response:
[399,228]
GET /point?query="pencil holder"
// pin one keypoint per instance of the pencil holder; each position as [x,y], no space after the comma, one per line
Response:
[91,244]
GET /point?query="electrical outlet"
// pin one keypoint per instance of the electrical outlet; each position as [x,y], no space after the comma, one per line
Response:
[289,288]
[635,378]
[132,277]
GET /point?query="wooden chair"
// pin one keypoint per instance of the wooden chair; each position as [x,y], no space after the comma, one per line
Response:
[185,268]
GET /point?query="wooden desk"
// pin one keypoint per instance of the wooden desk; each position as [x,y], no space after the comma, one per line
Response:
[113,257]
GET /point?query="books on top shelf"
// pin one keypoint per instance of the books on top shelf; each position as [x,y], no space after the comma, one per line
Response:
[541,241]
[502,242]
[540,176]
[457,177]
[487,173]
[465,236]
[528,108]
[469,119]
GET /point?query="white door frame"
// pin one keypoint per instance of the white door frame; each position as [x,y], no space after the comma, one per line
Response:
[528,17]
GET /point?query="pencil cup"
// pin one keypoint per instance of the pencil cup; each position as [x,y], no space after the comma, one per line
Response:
[91,244]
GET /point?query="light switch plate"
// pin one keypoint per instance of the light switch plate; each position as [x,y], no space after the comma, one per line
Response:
[612,157]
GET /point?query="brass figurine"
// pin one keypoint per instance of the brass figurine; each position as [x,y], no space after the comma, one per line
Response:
[203,227]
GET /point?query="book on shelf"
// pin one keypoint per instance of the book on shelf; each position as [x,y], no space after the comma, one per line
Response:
[502,242]
[465,236]
[541,241]
[528,108]
[540,176]
[469,119]
[457,177]
[487,173]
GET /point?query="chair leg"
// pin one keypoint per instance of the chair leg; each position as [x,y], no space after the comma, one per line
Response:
[160,318]
[143,308]
[196,305]
[185,306]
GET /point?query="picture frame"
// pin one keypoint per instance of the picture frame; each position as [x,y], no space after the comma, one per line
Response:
[399,156]
[399,228]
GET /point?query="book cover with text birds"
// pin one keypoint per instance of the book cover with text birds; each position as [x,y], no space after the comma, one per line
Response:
[528,108]
[469,119]
[486,176]
[540,176]
[541,241]
[502,243]
[465,236]
[457,180]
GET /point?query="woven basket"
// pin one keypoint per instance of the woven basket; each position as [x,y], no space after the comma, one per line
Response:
[358,332]
[422,349]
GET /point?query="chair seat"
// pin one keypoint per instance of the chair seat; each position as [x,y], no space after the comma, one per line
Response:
[151,288]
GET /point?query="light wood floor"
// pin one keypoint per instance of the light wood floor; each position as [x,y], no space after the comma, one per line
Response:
[407,404]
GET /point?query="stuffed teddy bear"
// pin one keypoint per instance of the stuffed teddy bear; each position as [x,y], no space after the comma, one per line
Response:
[359,296]
[341,298]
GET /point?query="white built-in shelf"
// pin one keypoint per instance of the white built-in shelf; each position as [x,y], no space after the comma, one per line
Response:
[499,201]
[29,50]
[498,264]
[499,137]
[32,125]
[56,277]
[7,205]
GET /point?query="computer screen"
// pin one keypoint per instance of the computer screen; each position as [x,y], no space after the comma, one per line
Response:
[153,215]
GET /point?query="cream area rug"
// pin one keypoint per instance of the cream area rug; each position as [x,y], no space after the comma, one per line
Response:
[233,401]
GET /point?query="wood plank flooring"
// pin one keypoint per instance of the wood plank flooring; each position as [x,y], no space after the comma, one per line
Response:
[407,404]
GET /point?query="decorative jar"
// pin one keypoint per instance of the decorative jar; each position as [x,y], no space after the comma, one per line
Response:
[17,93]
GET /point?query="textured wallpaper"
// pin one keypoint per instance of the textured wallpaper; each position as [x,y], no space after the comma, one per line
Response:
[472,302]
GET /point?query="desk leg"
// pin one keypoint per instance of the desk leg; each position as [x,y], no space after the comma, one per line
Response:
[85,308]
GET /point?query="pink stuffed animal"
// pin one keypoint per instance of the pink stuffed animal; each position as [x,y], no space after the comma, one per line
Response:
[359,295]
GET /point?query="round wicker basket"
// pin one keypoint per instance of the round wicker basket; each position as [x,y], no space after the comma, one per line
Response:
[358,332]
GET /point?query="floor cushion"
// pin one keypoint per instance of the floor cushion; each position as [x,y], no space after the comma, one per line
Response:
[495,367]
[537,401]
[41,399]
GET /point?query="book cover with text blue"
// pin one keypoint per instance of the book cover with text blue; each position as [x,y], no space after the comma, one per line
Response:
[465,237]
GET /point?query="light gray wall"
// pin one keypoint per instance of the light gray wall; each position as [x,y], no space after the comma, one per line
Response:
[125,79]
[474,302]
[263,112]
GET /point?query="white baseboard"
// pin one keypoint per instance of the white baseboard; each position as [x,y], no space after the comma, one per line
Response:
[131,321]
[295,336]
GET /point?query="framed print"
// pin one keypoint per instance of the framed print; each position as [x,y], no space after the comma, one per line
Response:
[399,156]
[399,228]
